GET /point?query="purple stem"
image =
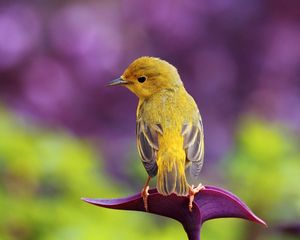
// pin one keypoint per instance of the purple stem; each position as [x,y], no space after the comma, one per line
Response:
[193,233]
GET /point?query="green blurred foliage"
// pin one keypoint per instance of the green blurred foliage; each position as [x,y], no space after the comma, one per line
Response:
[44,173]
[264,171]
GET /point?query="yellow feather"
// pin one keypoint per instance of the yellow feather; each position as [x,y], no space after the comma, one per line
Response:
[164,109]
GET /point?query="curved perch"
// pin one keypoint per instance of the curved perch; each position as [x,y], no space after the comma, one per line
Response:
[210,203]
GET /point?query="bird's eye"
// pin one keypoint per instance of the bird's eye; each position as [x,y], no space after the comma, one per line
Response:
[142,79]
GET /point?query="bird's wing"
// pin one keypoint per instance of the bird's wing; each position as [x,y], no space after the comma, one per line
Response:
[193,143]
[147,144]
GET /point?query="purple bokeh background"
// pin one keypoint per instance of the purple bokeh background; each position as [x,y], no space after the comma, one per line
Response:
[234,56]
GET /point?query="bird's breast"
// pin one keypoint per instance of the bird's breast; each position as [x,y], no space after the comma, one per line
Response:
[170,109]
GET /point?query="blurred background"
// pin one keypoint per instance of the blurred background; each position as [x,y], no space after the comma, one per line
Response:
[64,135]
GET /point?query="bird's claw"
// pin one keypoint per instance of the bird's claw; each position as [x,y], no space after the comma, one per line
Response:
[192,192]
[144,195]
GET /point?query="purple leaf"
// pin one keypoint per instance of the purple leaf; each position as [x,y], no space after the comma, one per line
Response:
[210,203]
[291,228]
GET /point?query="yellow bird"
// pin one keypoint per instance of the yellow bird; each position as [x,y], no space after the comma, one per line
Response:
[169,128]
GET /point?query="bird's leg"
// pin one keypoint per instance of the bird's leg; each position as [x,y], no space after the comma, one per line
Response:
[145,193]
[192,192]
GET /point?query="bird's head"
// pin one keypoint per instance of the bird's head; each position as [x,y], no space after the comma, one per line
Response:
[148,75]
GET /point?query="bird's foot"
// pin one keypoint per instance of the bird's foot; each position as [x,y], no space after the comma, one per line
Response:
[192,192]
[144,195]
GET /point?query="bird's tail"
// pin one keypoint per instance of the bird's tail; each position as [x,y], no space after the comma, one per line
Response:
[171,177]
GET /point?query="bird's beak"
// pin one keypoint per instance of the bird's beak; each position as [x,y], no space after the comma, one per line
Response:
[118,81]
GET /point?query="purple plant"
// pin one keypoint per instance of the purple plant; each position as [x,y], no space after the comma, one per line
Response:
[210,203]
[292,228]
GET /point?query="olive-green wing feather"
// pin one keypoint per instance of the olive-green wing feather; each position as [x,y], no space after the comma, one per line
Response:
[147,144]
[193,144]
